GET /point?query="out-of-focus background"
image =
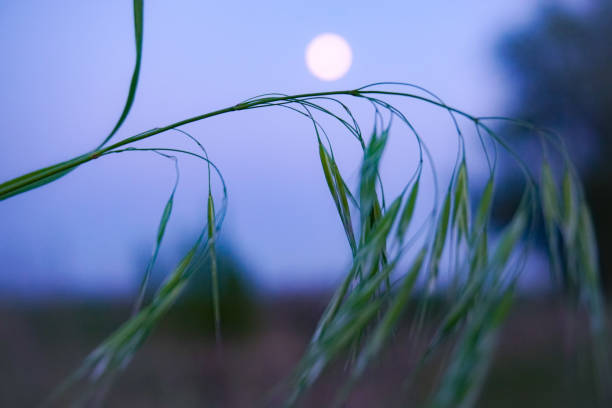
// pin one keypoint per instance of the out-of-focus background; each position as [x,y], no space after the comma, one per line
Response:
[73,252]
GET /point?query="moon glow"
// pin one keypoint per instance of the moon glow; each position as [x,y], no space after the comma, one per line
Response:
[328,57]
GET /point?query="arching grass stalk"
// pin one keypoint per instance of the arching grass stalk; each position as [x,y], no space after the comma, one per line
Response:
[390,251]
[378,227]
[365,311]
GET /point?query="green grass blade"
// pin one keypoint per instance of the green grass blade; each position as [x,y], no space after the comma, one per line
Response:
[470,361]
[327,172]
[346,212]
[509,239]
[369,172]
[160,235]
[40,177]
[570,210]
[480,258]
[461,203]
[440,237]
[460,190]
[342,332]
[552,217]
[550,195]
[339,193]
[213,267]
[483,211]
[113,354]
[138,30]
[408,211]
[476,284]
[392,315]
[378,235]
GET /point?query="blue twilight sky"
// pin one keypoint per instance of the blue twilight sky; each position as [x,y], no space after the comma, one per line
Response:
[64,74]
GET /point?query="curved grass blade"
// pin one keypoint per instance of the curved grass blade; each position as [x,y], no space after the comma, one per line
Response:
[160,236]
[40,177]
[46,175]
[138,29]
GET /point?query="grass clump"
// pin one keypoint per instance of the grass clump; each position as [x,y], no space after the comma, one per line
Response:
[390,254]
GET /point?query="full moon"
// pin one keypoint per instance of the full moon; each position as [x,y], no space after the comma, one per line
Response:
[328,56]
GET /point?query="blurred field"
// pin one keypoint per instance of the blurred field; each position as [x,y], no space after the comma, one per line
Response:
[542,360]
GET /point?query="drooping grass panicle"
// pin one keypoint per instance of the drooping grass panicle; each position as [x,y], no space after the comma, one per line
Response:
[365,309]
[385,245]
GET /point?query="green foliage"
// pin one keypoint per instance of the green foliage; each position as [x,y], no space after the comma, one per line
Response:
[366,308]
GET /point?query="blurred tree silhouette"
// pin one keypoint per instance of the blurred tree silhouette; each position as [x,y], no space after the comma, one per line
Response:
[194,313]
[236,298]
[561,65]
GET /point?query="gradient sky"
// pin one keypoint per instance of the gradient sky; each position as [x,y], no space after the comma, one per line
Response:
[64,76]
